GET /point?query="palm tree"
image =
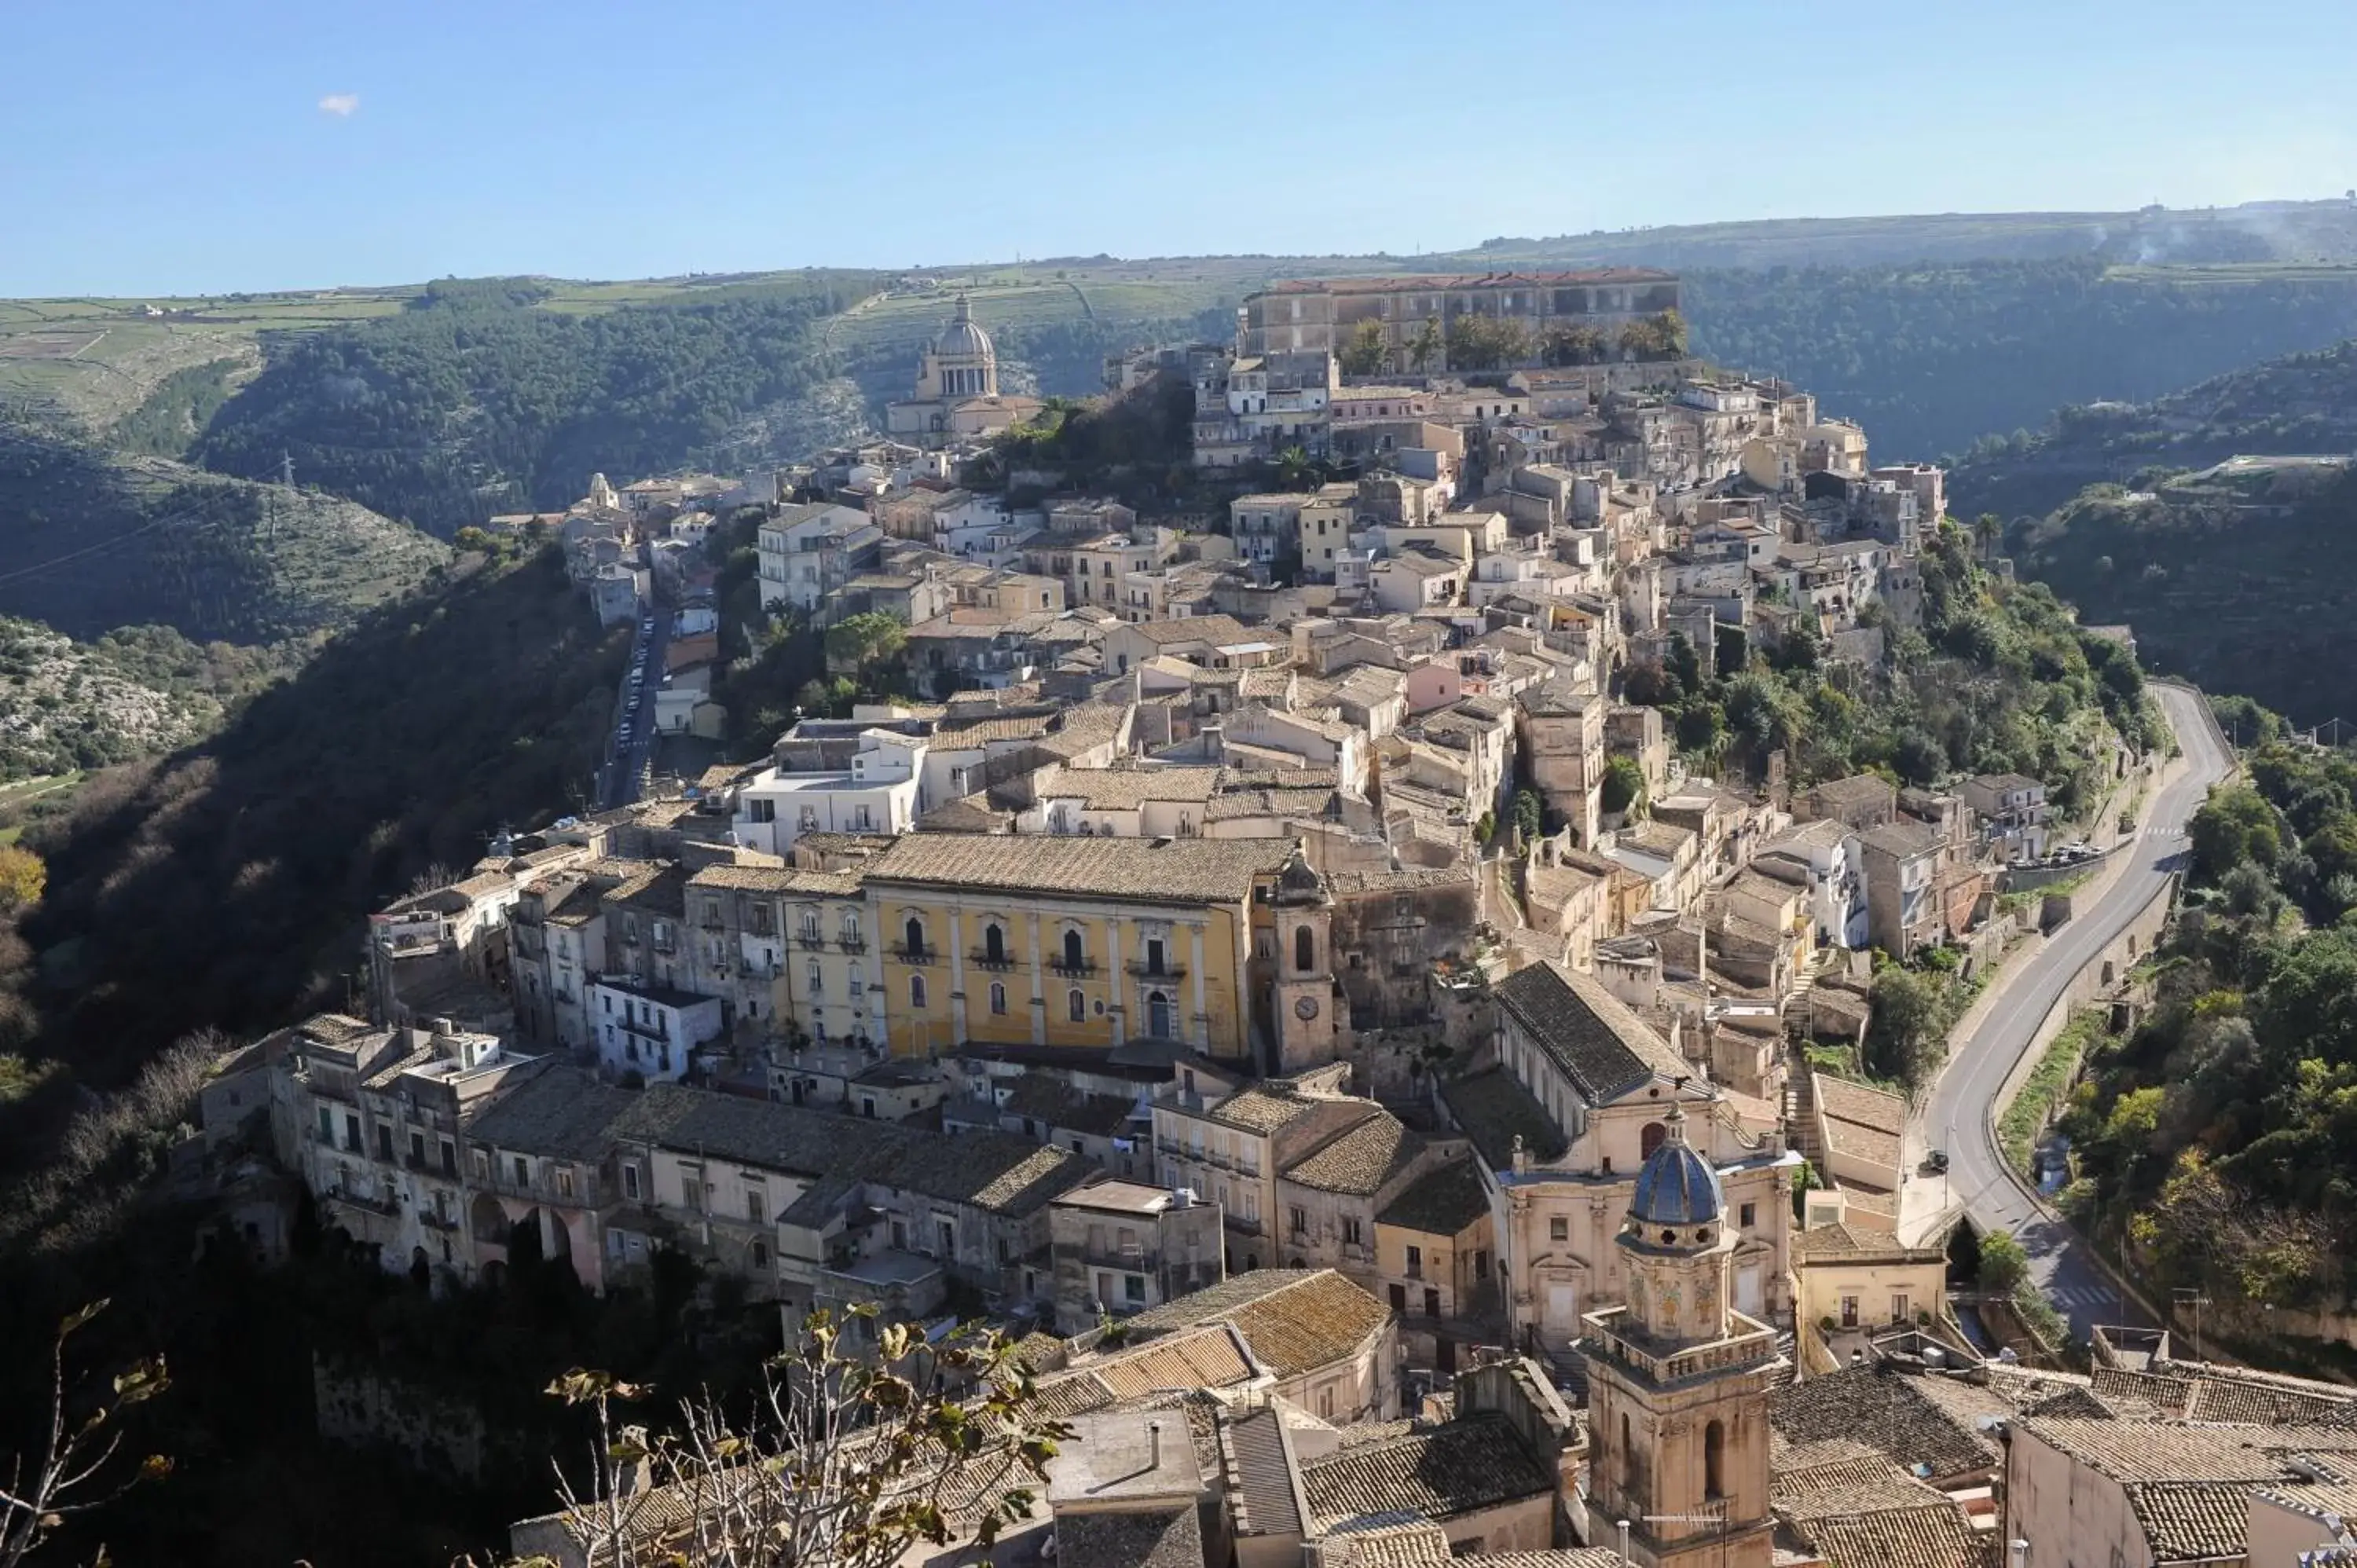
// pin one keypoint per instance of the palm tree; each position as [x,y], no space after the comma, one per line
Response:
[1293,467]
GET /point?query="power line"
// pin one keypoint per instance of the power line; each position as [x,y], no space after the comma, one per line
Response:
[105,545]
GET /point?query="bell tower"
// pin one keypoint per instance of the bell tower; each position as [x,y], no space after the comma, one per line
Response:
[1679,1380]
[1304,1002]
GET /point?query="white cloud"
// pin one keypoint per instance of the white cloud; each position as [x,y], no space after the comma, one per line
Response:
[342,106]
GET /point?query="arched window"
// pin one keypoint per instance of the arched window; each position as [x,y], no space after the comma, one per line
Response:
[1157,1016]
[1305,948]
[913,937]
[1628,1459]
[916,991]
[1714,1460]
[998,997]
[1079,1006]
[994,943]
[1650,1139]
[1072,950]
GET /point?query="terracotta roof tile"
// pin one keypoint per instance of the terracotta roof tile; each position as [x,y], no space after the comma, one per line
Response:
[2190,1520]
[1443,1201]
[1600,1045]
[1362,1161]
[1157,870]
[1294,1320]
[1437,1475]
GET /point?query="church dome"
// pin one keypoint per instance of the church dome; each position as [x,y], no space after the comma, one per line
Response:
[1678,1186]
[961,337]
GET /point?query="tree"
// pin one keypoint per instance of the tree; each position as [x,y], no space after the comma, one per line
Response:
[1572,345]
[1293,467]
[1366,353]
[1670,333]
[1487,343]
[22,878]
[2004,1265]
[76,1472]
[1424,350]
[472,538]
[1530,814]
[855,642]
[846,1462]
[1905,1037]
[1624,784]
[2235,826]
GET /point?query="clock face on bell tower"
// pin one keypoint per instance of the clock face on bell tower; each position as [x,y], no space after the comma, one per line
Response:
[1306,1008]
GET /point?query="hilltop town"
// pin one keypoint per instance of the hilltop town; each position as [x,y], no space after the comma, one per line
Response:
[1300,961]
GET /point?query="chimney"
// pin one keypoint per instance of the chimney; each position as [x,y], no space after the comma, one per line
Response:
[1153,1445]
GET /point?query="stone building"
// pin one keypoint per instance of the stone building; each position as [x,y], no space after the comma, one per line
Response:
[1120,1247]
[1679,1380]
[957,393]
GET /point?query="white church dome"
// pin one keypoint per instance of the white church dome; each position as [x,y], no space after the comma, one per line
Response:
[961,337]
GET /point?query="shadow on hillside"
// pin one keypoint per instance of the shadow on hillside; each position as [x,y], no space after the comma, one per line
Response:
[226,885]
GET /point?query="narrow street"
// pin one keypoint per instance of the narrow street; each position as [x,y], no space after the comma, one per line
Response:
[633,739]
[1958,1114]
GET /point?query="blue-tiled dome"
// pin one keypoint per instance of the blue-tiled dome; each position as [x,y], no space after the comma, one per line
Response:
[1677,1187]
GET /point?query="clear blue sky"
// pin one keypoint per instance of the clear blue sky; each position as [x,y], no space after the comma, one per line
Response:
[161,146]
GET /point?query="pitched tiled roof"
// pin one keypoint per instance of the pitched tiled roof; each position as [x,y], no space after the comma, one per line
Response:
[1217,630]
[1857,1102]
[1362,1161]
[1422,1544]
[1930,1534]
[1887,1411]
[1264,1477]
[1169,1538]
[1467,1465]
[1294,1320]
[1047,1099]
[1600,1045]
[1126,788]
[1849,1241]
[1441,1202]
[992,1171]
[1210,1359]
[1493,1109]
[2167,1451]
[1265,1108]
[2192,1520]
[1157,870]
[562,1112]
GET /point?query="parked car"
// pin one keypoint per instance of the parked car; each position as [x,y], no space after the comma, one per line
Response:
[1938,1161]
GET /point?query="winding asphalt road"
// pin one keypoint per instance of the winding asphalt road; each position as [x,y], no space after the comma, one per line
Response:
[1957,1115]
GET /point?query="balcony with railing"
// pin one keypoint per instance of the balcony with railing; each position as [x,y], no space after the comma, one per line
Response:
[382,1201]
[920,956]
[852,942]
[983,958]
[1147,970]
[1083,970]
[810,939]
[1611,1335]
